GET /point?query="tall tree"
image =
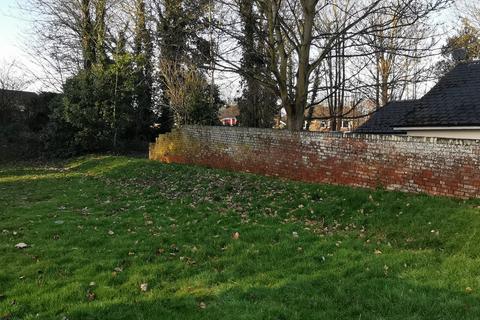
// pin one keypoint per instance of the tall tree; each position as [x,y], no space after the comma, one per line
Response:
[100,32]
[397,60]
[181,26]
[172,38]
[258,104]
[297,40]
[465,43]
[470,10]
[143,52]
[70,36]
[87,35]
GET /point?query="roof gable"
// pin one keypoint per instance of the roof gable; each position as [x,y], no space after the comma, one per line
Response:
[387,118]
[454,101]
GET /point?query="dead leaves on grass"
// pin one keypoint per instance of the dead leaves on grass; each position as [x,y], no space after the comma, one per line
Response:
[21,245]
[144,287]
[91,296]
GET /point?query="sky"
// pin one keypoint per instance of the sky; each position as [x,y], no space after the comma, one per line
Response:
[14,24]
[9,29]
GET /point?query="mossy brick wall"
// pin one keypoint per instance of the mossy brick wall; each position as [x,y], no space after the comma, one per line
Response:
[429,165]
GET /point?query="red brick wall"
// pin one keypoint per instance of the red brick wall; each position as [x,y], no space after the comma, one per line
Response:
[430,165]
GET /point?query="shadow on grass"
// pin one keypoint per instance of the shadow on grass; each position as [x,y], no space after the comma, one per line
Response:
[332,298]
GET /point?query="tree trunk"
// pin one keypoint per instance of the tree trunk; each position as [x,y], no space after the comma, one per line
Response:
[88,44]
[100,32]
[296,115]
[294,118]
[385,88]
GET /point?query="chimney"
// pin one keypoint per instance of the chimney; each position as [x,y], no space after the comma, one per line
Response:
[459,55]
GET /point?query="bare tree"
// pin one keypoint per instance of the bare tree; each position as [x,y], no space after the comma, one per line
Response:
[70,35]
[302,35]
[398,59]
[182,82]
[258,105]
[470,10]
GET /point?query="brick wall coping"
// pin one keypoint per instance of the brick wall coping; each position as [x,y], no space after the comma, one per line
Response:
[322,135]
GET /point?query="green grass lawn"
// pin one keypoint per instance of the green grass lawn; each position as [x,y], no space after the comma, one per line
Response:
[100,227]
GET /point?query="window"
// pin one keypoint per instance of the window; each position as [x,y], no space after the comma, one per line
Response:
[323,124]
[345,124]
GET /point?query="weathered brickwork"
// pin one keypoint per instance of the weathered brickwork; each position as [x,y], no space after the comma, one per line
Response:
[430,165]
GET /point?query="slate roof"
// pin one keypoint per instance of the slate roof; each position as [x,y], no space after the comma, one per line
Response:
[387,118]
[454,101]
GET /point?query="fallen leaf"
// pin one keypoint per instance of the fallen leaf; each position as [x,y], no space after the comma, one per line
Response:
[91,296]
[110,232]
[144,287]
[202,305]
[468,290]
[236,236]
[378,252]
[21,245]
[295,234]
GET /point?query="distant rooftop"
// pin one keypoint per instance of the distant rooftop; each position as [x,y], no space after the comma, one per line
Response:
[454,101]
[387,118]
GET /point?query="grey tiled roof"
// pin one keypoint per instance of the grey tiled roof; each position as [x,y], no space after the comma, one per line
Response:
[387,118]
[454,101]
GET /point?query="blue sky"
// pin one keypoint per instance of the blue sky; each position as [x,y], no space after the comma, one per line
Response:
[11,25]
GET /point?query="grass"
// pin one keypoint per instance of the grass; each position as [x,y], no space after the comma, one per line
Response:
[99,227]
